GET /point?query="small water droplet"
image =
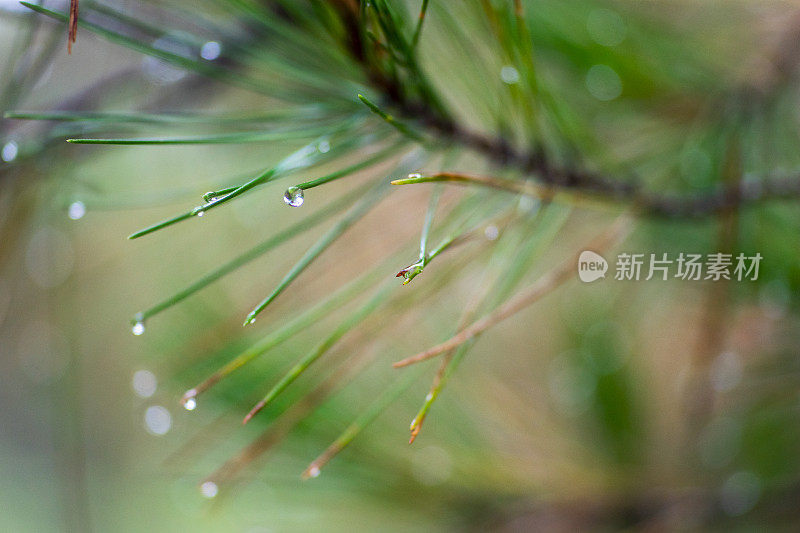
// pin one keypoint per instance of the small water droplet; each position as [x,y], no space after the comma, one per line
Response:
[157,420]
[509,75]
[491,232]
[603,83]
[210,50]
[293,196]
[190,404]
[429,397]
[144,383]
[201,213]
[209,489]
[414,176]
[313,471]
[250,321]
[324,147]
[9,151]
[138,328]
[76,210]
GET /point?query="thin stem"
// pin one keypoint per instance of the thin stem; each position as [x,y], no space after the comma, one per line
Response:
[303,157]
[399,126]
[449,364]
[418,30]
[279,238]
[426,228]
[301,366]
[377,158]
[551,220]
[358,211]
[304,320]
[542,287]
[362,421]
[456,237]
[520,187]
[286,421]
[226,138]
[295,114]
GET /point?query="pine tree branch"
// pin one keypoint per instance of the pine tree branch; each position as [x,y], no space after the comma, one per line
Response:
[542,287]
[534,162]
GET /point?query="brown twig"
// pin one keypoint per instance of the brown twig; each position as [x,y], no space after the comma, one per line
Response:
[73,24]
[720,201]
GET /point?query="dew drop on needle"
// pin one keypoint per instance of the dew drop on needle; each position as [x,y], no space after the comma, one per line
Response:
[293,196]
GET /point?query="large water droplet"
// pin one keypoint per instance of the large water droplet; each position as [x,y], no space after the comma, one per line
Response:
[9,151]
[210,50]
[414,176]
[157,420]
[76,210]
[509,75]
[190,404]
[209,489]
[324,147]
[138,328]
[293,196]
[144,383]
[603,83]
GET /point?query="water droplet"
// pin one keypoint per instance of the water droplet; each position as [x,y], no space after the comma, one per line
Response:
[200,213]
[603,83]
[9,151]
[157,420]
[210,50]
[509,75]
[293,196]
[138,328]
[324,147]
[740,493]
[491,232]
[605,27]
[144,383]
[414,176]
[190,404]
[428,397]
[313,471]
[76,210]
[250,321]
[209,489]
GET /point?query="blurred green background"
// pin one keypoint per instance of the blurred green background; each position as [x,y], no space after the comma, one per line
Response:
[613,405]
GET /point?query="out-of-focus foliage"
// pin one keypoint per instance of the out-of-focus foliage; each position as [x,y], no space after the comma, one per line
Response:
[669,404]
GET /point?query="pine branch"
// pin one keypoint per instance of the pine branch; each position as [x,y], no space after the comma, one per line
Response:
[542,287]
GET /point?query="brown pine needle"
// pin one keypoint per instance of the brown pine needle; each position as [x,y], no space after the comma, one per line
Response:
[73,24]
[543,286]
[544,192]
